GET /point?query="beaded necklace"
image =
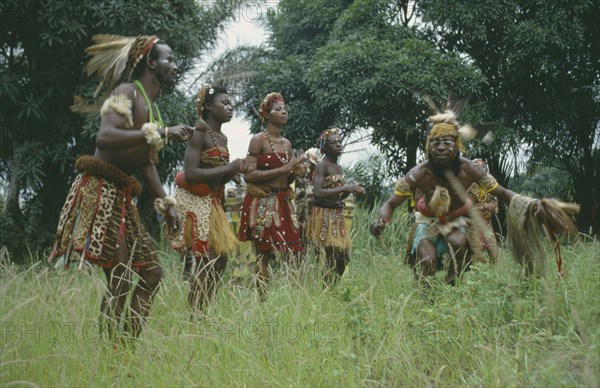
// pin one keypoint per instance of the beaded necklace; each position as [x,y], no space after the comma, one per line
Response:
[224,159]
[287,156]
[160,123]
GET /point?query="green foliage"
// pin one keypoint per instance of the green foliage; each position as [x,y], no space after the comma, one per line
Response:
[298,28]
[374,176]
[42,57]
[549,182]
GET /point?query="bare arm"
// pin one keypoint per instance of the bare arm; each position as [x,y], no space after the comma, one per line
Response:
[385,214]
[113,133]
[195,173]
[504,194]
[334,193]
[116,128]
[253,175]
[151,179]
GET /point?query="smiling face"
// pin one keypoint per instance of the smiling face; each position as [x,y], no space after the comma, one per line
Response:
[221,108]
[165,68]
[443,150]
[279,113]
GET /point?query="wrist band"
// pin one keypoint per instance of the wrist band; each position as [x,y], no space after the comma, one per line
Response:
[152,136]
[166,139]
[161,205]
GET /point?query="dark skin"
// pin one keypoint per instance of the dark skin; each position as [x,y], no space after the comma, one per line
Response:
[277,178]
[487,210]
[422,178]
[209,269]
[127,149]
[336,260]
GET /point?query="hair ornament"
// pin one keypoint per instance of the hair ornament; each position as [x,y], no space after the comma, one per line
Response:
[325,136]
[265,106]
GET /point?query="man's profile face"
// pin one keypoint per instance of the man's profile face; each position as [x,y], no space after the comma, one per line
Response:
[443,150]
[165,69]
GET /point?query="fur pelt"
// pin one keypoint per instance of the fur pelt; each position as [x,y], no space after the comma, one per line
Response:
[120,104]
[100,169]
[439,203]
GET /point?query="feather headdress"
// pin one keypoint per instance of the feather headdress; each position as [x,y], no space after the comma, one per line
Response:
[445,122]
[114,57]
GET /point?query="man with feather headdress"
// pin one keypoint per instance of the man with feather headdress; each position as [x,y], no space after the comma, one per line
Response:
[446,234]
[99,222]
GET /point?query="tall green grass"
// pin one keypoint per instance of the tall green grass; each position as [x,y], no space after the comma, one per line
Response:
[375,328]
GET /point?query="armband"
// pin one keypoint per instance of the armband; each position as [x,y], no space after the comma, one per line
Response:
[402,189]
[166,139]
[488,183]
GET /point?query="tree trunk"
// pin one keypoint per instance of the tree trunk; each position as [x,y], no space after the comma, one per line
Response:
[11,207]
[583,187]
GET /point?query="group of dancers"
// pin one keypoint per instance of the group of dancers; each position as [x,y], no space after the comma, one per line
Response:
[100,224]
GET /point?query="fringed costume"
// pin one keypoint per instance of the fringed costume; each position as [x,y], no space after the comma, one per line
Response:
[435,222]
[326,225]
[524,230]
[268,215]
[200,208]
[482,199]
[99,213]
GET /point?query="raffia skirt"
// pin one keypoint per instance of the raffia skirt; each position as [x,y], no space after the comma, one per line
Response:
[327,228]
[205,225]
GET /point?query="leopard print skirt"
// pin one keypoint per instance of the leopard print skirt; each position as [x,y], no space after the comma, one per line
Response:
[98,214]
[205,225]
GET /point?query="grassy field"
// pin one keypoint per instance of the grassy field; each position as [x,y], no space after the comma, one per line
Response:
[374,329]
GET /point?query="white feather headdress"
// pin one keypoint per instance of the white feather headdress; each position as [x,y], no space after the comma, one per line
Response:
[114,57]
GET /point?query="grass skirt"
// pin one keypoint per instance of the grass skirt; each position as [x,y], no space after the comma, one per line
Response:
[205,225]
[326,227]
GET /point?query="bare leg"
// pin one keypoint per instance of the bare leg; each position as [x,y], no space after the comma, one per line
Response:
[112,306]
[188,262]
[331,272]
[427,260]
[342,260]
[204,282]
[262,272]
[461,256]
[142,298]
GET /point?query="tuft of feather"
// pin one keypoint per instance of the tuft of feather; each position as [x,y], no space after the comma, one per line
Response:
[467,132]
[445,117]
[439,203]
[488,138]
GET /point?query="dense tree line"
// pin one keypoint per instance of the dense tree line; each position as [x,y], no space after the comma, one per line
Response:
[41,70]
